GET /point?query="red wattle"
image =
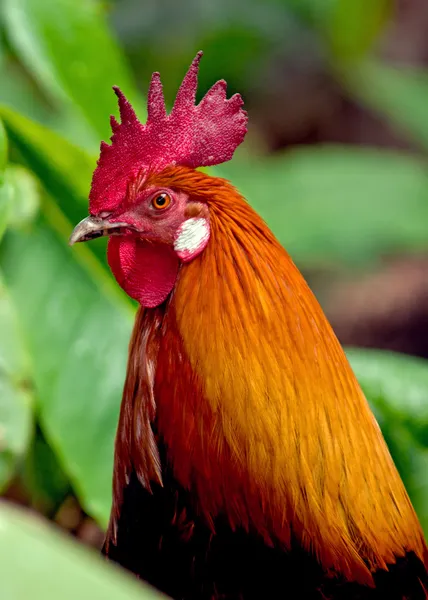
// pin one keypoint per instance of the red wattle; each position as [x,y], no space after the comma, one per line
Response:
[146,271]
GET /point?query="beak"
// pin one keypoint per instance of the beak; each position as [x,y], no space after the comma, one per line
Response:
[93,227]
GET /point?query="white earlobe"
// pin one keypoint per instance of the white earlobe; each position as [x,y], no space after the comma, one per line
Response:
[191,238]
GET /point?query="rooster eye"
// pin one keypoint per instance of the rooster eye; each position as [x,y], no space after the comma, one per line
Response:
[161,201]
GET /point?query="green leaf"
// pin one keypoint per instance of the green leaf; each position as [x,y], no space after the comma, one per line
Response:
[338,204]
[397,388]
[17,91]
[64,169]
[60,165]
[78,331]
[15,391]
[39,562]
[44,481]
[19,197]
[5,204]
[411,460]
[68,48]
[3,147]
[25,196]
[400,381]
[398,93]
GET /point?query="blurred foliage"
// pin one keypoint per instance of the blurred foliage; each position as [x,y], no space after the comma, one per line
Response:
[24,196]
[333,204]
[397,93]
[65,324]
[397,390]
[3,148]
[44,481]
[353,27]
[51,566]
[15,390]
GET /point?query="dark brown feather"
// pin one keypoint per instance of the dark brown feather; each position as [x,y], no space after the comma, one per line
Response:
[162,540]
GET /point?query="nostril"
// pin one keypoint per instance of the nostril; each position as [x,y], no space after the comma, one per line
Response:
[93,235]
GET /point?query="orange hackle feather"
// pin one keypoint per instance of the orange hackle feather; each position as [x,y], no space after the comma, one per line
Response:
[261,414]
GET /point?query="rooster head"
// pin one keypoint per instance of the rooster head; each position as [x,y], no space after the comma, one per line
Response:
[154,228]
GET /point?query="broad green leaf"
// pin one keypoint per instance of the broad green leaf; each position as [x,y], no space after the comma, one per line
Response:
[68,48]
[411,460]
[3,147]
[78,331]
[354,25]
[5,203]
[2,51]
[16,416]
[5,190]
[397,388]
[42,477]
[398,93]
[338,204]
[25,195]
[39,562]
[18,92]
[64,169]
[401,381]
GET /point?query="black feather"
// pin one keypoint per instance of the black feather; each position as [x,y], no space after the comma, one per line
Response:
[162,539]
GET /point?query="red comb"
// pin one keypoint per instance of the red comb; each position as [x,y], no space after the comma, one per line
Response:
[191,135]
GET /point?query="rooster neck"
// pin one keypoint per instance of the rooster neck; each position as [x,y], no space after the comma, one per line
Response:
[262,413]
[262,418]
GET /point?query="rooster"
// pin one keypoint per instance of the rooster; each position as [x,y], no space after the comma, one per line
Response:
[248,464]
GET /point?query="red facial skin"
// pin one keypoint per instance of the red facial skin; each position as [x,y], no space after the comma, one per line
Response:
[150,223]
[141,256]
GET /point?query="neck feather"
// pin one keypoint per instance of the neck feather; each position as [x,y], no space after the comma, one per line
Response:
[287,413]
[260,411]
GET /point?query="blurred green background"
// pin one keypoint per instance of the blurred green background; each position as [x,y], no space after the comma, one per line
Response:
[335,161]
